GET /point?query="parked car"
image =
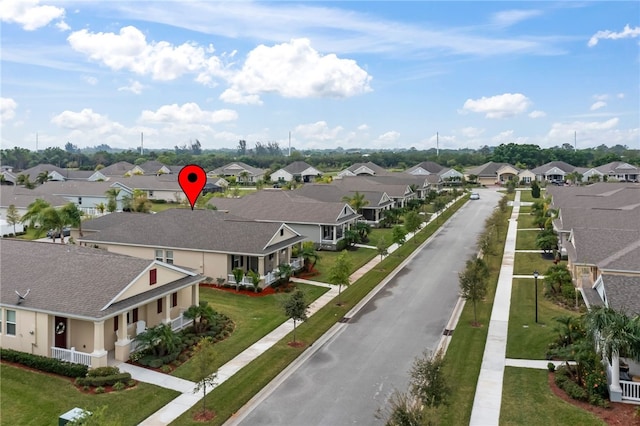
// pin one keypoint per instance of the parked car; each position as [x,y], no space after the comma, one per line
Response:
[55,233]
[474,196]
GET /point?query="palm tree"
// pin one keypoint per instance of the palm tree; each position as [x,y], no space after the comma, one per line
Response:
[73,215]
[112,203]
[244,177]
[101,207]
[357,201]
[238,274]
[613,334]
[203,313]
[34,210]
[310,255]
[42,177]
[161,340]
[363,229]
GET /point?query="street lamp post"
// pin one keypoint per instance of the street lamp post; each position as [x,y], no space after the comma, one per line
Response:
[535,277]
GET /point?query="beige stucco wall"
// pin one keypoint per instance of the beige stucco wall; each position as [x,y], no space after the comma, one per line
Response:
[37,343]
[80,335]
[164,276]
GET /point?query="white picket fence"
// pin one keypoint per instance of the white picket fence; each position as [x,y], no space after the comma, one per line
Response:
[71,355]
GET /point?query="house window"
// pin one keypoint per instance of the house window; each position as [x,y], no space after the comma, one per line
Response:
[150,194]
[237,261]
[79,201]
[116,321]
[168,254]
[174,299]
[281,232]
[271,256]
[159,304]
[159,255]
[153,276]
[11,322]
[135,315]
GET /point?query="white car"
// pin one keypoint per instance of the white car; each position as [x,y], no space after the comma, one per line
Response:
[474,196]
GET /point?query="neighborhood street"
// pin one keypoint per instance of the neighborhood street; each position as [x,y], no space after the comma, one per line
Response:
[353,373]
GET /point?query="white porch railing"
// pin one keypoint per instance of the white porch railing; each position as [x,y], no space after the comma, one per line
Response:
[180,323]
[270,278]
[245,280]
[297,263]
[630,390]
[135,345]
[71,355]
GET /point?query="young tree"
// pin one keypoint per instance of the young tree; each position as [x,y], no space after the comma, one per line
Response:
[473,283]
[202,315]
[255,280]
[112,195]
[438,206]
[204,357]
[382,248]
[399,234]
[547,241]
[412,223]
[13,216]
[428,381]
[310,255]
[238,274]
[535,189]
[357,201]
[295,307]
[340,272]
[555,278]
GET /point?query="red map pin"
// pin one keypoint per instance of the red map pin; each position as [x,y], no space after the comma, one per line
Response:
[192,180]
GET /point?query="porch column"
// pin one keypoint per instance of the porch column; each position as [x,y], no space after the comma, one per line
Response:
[99,355]
[615,391]
[195,295]
[335,231]
[261,265]
[123,344]
[167,309]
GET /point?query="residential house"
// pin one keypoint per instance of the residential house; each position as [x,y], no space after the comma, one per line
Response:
[213,243]
[21,198]
[554,171]
[298,171]
[85,305]
[117,169]
[55,173]
[599,231]
[157,187]
[619,171]
[323,223]
[243,172]
[493,173]
[400,192]
[85,195]
[448,175]
[363,169]
[377,202]
[151,167]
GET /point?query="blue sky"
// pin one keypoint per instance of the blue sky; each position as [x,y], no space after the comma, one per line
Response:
[351,74]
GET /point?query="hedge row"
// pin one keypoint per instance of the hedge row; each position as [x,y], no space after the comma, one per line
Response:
[43,363]
[103,380]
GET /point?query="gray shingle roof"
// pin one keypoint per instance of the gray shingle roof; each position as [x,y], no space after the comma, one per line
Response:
[370,165]
[276,205]
[75,188]
[297,167]
[22,197]
[607,248]
[623,293]
[489,169]
[600,196]
[333,193]
[394,188]
[429,166]
[199,230]
[565,167]
[235,168]
[117,169]
[68,279]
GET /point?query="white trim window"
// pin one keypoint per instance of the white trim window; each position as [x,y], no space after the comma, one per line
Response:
[164,256]
[11,322]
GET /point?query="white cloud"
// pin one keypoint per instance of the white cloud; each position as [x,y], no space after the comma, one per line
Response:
[510,17]
[500,106]
[363,127]
[29,14]
[7,109]
[85,119]
[389,137]
[627,32]
[566,131]
[189,113]
[471,132]
[602,97]
[133,87]
[62,26]
[316,133]
[129,50]
[295,70]
[89,79]
[597,105]
[620,95]
[537,114]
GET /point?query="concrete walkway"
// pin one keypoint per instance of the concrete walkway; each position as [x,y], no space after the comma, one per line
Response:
[488,398]
[188,399]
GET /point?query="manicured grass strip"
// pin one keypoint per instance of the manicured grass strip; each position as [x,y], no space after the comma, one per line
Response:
[358,258]
[254,318]
[526,263]
[526,221]
[464,355]
[525,197]
[527,400]
[526,240]
[526,339]
[230,396]
[377,233]
[32,398]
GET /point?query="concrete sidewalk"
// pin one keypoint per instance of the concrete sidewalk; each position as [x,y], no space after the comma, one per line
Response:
[488,397]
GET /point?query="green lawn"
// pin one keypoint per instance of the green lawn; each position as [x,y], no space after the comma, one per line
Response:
[31,398]
[526,339]
[358,258]
[254,317]
[526,221]
[160,207]
[229,397]
[526,240]
[31,234]
[525,210]
[377,233]
[526,263]
[528,401]
[525,196]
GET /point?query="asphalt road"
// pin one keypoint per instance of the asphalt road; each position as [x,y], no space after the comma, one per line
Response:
[354,372]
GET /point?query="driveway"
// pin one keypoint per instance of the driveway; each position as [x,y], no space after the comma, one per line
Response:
[353,373]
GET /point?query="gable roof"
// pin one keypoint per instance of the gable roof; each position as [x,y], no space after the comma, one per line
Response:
[117,169]
[368,168]
[73,280]
[275,205]
[618,167]
[298,167]
[565,167]
[333,193]
[154,167]
[393,188]
[235,168]
[22,197]
[199,230]
[623,293]
[426,167]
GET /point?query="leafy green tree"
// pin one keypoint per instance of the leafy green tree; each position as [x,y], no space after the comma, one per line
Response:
[399,234]
[428,381]
[351,237]
[112,195]
[340,272]
[556,277]
[13,217]
[73,216]
[412,222]
[438,206]
[42,177]
[382,248]
[535,189]
[363,229]
[205,356]
[473,283]
[547,241]
[238,274]
[357,201]
[295,307]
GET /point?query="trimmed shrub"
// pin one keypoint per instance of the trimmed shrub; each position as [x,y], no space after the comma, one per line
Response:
[155,363]
[99,389]
[103,380]
[166,369]
[103,371]
[551,367]
[43,363]
[119,386]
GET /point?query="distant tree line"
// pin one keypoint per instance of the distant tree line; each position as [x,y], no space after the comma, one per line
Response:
[270,156]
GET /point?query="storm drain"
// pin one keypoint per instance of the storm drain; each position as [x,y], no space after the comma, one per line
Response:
[344,319]
[447,332]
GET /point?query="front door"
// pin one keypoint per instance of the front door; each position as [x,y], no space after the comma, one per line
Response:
[60,330]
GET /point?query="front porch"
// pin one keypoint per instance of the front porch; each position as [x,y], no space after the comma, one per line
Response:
[268,278]
[623,376]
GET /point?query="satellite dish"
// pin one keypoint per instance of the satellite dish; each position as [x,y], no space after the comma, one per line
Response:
[21,297]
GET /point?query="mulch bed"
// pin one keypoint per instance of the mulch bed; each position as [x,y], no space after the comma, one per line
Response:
[203,417]
[618,414]
[265,292]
